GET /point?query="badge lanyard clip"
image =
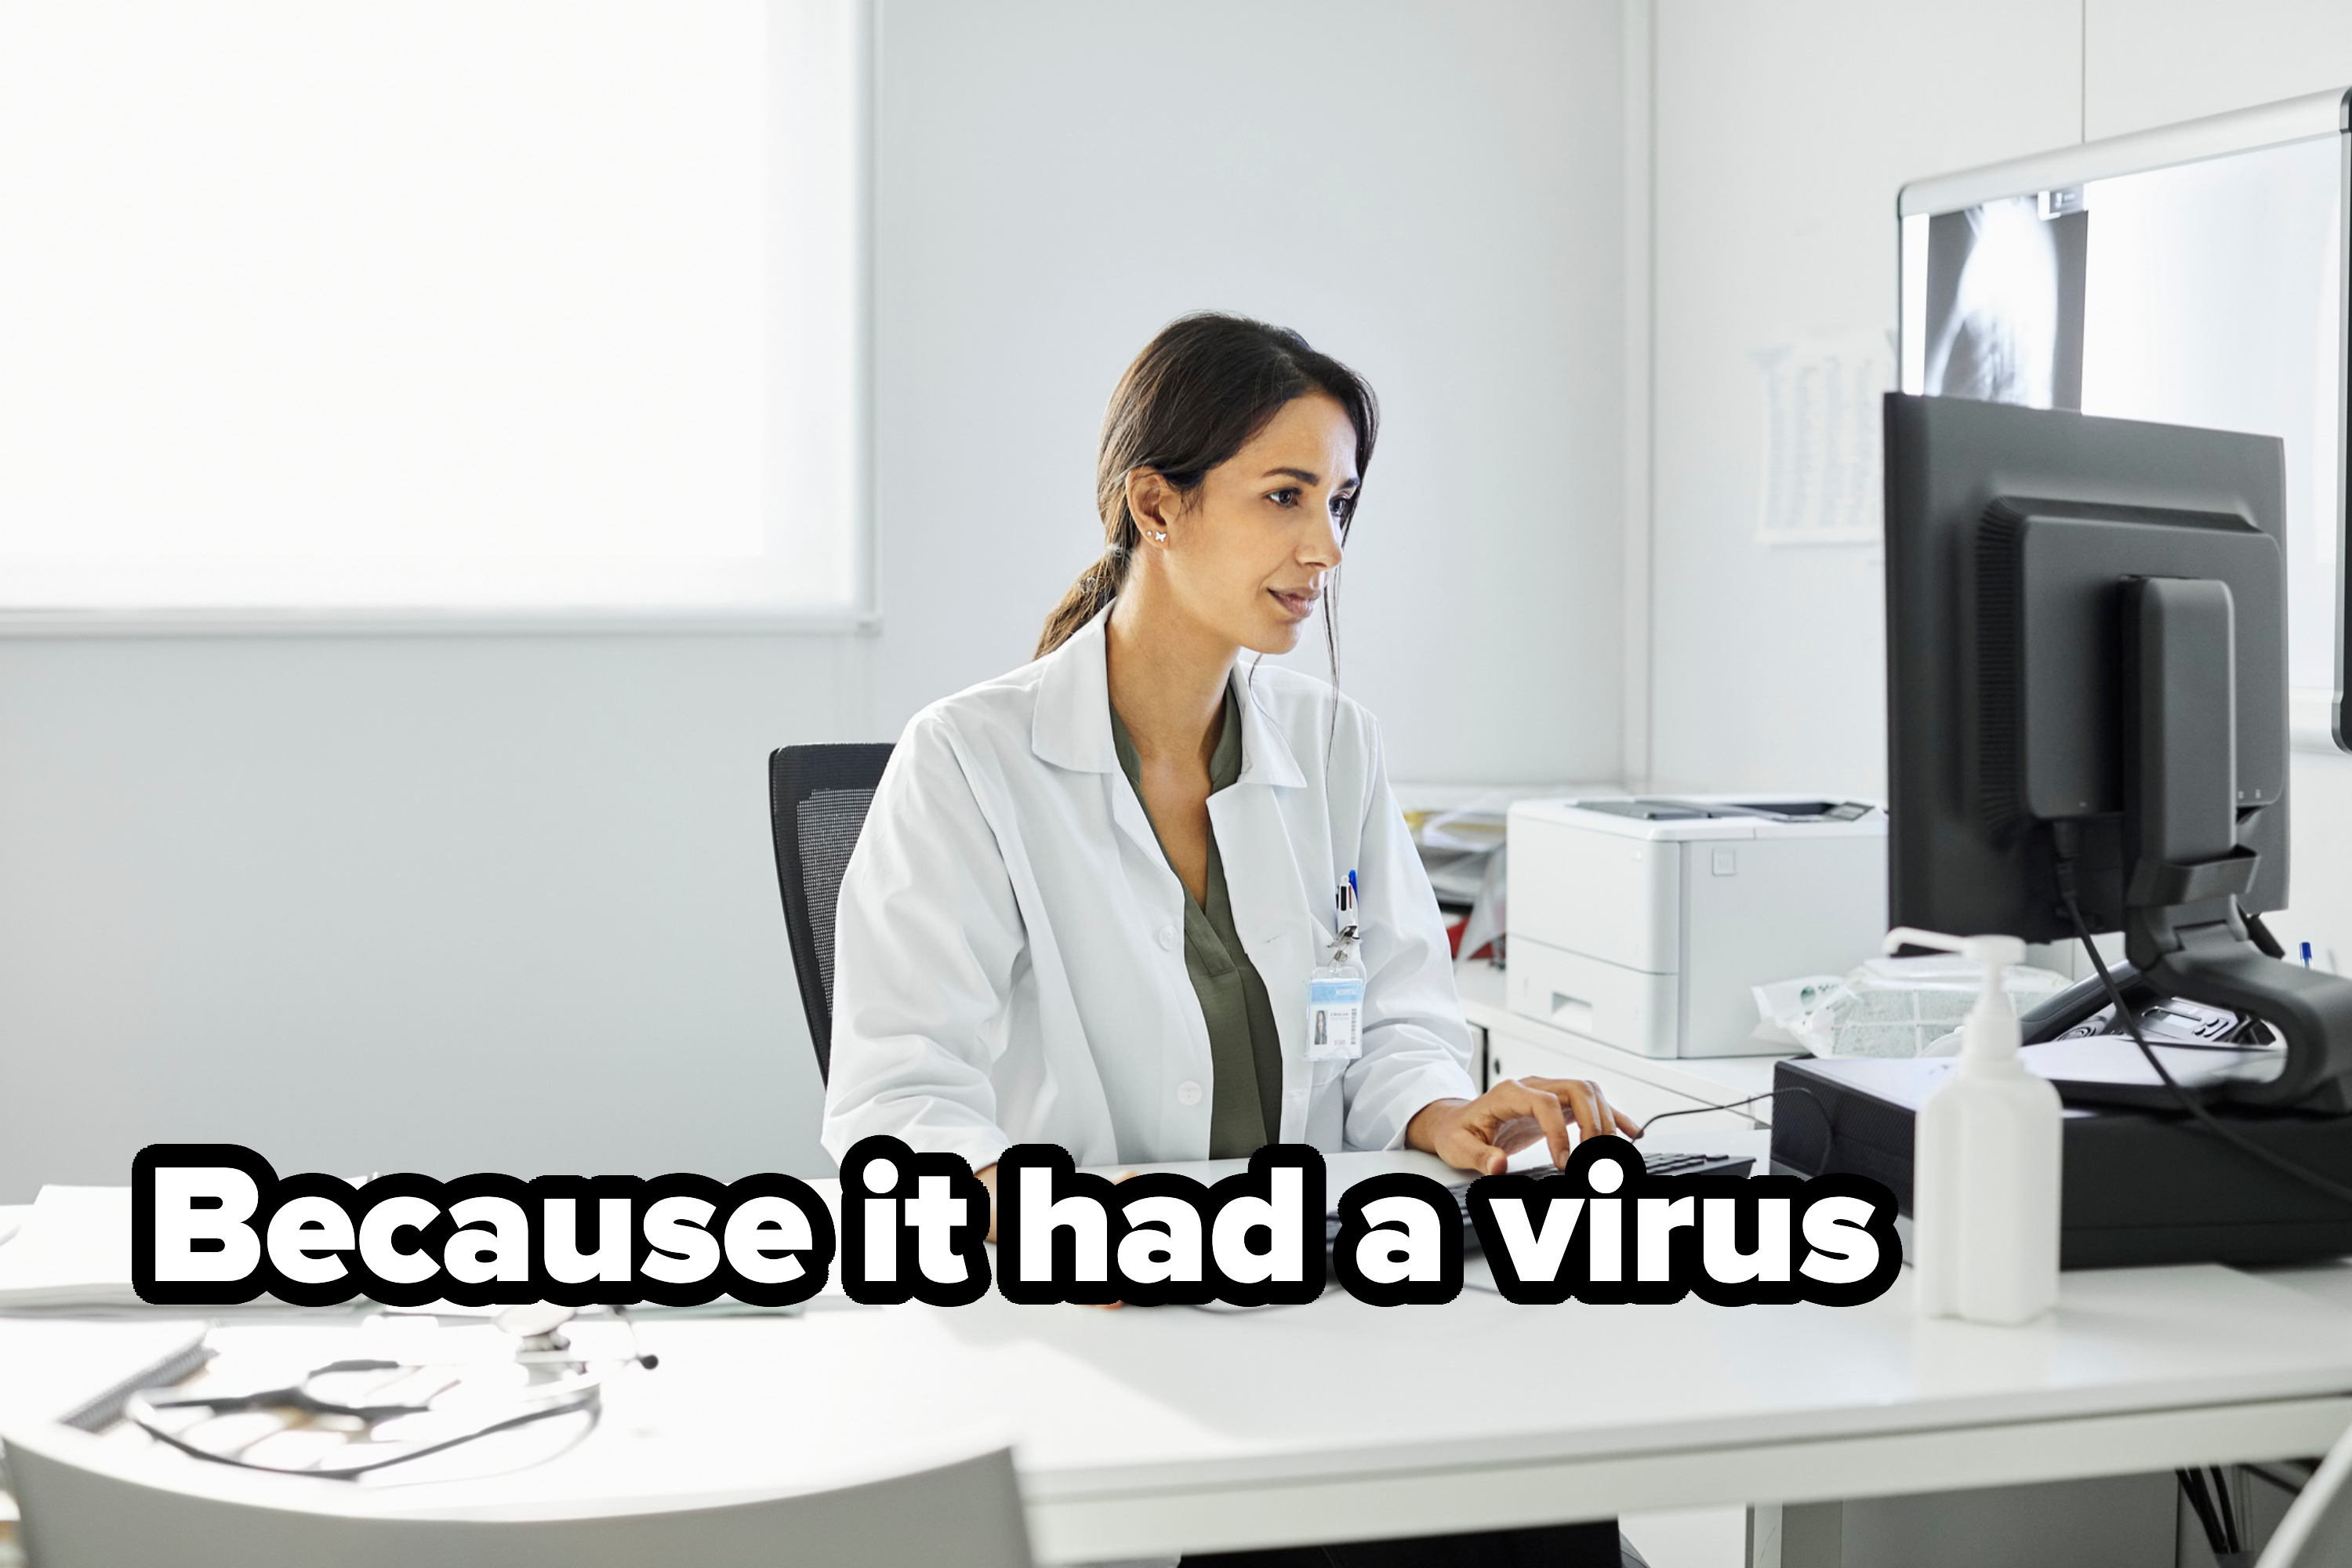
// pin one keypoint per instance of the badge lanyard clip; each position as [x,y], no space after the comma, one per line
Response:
[1335,992]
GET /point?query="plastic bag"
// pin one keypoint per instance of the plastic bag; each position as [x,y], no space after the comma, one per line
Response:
[1891,1007]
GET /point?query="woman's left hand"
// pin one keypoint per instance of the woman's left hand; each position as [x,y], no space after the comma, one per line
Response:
[1482,1134]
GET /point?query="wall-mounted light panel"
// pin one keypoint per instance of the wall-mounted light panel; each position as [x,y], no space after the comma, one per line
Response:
[2190,275]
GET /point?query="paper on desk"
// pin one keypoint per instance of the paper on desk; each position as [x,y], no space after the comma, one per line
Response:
[2115,1058]
[74,1250]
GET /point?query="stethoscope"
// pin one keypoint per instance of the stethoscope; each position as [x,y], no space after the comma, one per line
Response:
[346,1419]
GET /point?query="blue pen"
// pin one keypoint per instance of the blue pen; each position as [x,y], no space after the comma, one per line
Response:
[2306,955]
[1359,900]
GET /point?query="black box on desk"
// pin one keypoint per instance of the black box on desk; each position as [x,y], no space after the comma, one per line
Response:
[2140,1188]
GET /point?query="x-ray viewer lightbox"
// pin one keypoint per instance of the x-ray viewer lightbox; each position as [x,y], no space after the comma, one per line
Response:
[2192,275]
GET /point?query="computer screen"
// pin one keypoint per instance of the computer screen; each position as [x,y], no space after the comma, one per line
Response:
[2194,276]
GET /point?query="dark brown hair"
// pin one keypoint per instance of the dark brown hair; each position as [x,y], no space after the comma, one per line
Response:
[1195,396]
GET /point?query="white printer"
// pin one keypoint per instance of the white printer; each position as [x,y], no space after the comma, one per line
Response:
[1642,923]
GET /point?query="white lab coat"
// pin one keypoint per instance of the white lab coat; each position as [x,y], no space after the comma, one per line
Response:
[1009,944]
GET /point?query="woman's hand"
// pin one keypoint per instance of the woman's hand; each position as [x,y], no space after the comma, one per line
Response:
[1482,1134]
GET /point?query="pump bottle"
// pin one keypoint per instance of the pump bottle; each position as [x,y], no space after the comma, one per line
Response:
[1984,1186]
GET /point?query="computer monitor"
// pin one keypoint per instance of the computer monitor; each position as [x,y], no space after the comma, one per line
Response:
[2087,694]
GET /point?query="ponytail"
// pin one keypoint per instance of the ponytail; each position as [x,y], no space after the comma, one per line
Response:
[1197,395]
[1098,586]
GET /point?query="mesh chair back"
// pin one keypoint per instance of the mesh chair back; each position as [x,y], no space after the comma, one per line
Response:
[817,797]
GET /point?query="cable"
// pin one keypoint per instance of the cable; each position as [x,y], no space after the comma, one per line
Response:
[1793,1089]
[2192,1485]
[1734,1105]
[1829,1127]
[2229,1514]
[2188,1101]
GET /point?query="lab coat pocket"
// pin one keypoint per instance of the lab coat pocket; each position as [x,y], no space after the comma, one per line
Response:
[1329,1071]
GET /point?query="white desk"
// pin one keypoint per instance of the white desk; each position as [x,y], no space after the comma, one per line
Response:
[1142,1432]
[1162,1431]
[1641,1086]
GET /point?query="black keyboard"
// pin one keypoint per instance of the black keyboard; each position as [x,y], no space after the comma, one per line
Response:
[1660,1162]
[1664,1163]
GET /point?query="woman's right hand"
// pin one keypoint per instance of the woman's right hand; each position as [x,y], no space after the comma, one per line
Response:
[1482,1134]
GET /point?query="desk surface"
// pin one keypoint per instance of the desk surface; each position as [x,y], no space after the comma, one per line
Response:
[1155,1431]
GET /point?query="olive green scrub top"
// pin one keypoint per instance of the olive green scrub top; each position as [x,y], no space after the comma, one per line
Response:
[1245,1051]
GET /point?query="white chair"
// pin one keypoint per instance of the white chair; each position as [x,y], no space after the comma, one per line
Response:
[2317,1530]
[90,1504]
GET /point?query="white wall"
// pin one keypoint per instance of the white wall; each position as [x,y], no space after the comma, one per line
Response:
[2157,62]
[445,903]
[1783,134]
[1431,193]
[449,903]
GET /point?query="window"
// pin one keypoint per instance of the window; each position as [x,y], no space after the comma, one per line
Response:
[314,308]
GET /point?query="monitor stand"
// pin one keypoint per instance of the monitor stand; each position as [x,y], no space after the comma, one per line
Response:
[2183,931]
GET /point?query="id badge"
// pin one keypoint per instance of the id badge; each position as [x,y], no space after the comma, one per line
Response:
[1335,1018]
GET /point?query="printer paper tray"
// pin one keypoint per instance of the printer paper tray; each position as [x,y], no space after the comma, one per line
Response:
[1618,1007]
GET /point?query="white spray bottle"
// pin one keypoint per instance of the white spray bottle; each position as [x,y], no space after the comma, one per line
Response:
[1984,1183]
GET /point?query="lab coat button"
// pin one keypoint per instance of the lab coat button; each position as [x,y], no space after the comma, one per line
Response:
[1188,1093]
[1168,944]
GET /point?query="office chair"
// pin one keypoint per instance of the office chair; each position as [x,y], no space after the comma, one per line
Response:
[817,797]
[2318,1527]
[86,1502]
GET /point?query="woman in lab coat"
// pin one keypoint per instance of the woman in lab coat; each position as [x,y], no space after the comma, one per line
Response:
[1089,893]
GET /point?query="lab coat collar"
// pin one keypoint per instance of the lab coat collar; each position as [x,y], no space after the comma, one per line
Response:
[1265,754]
[1071,727]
